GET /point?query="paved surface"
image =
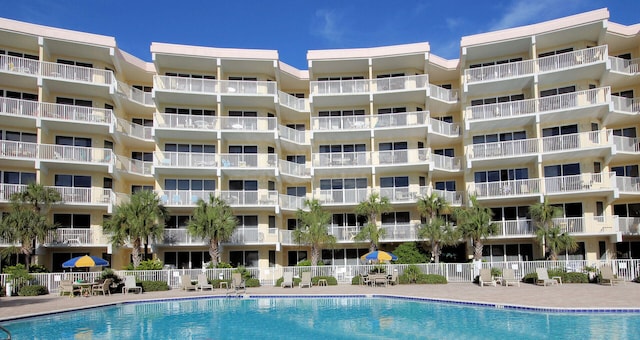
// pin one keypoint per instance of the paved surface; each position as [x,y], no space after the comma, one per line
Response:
[564,296]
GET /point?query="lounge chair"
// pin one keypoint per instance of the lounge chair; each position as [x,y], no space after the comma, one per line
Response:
[287,280]
[203,283]
[237,283]
[66,287]
[185,283]
[509,278]
[130,284]
[485,278]
[102,288]
[393,278]
[543,278]
[306,280]
[607,277]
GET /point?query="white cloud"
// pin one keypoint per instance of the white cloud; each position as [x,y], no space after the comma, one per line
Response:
[453,23]
[325,25]
[524,12]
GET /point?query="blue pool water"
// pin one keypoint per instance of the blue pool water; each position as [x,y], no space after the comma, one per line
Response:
[329,318]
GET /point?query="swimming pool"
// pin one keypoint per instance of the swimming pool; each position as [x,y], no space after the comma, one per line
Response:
[327,317]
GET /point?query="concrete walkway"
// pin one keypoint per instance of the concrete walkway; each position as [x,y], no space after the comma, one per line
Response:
[562,296]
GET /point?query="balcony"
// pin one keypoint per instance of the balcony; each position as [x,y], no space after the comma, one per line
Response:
[352,162]
[181,236]
[246,235]
[357,91]
[83,197]
[72,237]
[515,228]
[408,89]
[135,95]
[519,151]
[92,119]
[59,77]
[591,144]
[622,72]
[293,103]
[292,203]
[629,225]
[134,166]
[396,125]
[344,233]
[341,123]
[341,196]
[445,163]
[408,159]
[453,198]
[292,169]
[259,162]
[442,94]
[442,128]
[19,112]
[399,232]
[184,162]
[628,185]
[297,138]
[582,184]
[592,104]
[19,72]
[184,198]
[248,128]
[626,149]
[173,125]
[18,153]
[625,111]
[399,194]
[135,134]
[260,198]
[7,190]
[507,190]
[70,157]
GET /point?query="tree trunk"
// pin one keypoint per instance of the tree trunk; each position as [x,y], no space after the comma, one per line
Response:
[477,250]
[372,247]
[435,252]
[315,253]
[213,251]
[26,250]
[135,253]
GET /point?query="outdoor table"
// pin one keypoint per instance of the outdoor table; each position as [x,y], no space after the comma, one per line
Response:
[85,288]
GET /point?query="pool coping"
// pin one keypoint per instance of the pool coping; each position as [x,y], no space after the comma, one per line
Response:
[507,306]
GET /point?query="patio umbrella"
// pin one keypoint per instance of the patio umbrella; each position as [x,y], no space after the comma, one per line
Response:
[379,255]
[85,261]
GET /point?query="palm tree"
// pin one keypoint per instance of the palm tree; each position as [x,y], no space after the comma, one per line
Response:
[439,233]
[136,221]
[213,220]
[557,241]
[432,206]
[371,208]
[542,215]
[474,222]
[25,226]
[312,228]
[27,223]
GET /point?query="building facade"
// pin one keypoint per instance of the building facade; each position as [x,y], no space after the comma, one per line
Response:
[546,110]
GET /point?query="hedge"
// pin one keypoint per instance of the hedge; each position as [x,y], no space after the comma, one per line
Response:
[33,290]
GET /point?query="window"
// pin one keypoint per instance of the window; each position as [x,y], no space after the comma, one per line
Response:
[18,136]
[494,100]
[445,185]
[626,170]
[186,259]
[14,177]
[190,184]
[244,149]
[297,127]
[177,221]
[143,88]
[73,141]
[142,121]
[394,182]
[136,188]
[299,159]
[625,94]
[19,95]
[72,101]
[193,148]
[444,152]
[560,130]
[246,258]
[339,183]
[562,170]
[399,217]
[78,221]
[296,256]
[72,181]
[243,185]
[625,132]
[297,191]
[346,219]
[505,136]
[501,175]
[556,52]
[342,148]
[142,156]
[342,113]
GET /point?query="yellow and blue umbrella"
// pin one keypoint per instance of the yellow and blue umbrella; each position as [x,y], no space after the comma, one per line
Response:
[379,255]
[85,261]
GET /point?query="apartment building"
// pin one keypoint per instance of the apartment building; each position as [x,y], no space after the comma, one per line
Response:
[546,110]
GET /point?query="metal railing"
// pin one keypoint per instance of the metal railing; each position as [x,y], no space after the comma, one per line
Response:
[67,153]
[341,159]
[454,198]
[288,202]
[574,141]
[175,159]
[516,187]
[625,144]
[627,105]
[77,73]
[19,107]
[446,163]
[134,94]
[180,121]
[75,195]
[444,128]
[504,149]
[76,113]
[581,182]
[185,197]
[7,190]
[628,184]
[399,194]
[134,166]
[212,86]
[626,66]
[407,156]
[295,136]
[341,196]
[443,94]
[293,169]
[341,123]
[298,104]
[135,130]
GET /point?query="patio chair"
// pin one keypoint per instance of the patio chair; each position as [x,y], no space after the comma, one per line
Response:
[287,280]
[365,280]
[203,283]
[66,287]
[393,278]
[543,278]
[130,284]
[306,280]
[607,277]
[237,283]
[185,283]
[102,288]
[485,278]
[509,277]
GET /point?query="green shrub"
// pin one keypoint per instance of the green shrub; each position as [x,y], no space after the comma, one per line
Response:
[108,273]
[33,290]
[431,279]
[19,275]
[150,265]
[331,281]
[410,274]
[637,279]
[496,271]
[572,277]
[219,265]
[2,291]
[38,268]
[575,278]
[409,252]
[153,286]
[355,280]
[530,278]
[252,282]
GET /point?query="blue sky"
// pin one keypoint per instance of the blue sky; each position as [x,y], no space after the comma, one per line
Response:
[295,26]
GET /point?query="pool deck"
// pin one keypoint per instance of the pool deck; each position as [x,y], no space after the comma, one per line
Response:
[567,296]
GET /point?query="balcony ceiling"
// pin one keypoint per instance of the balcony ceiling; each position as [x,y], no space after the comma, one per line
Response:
[248,67]
[587,32]
[172,63]
[22,42]
[498,50]
[390,64]
[321,68]
[81,52]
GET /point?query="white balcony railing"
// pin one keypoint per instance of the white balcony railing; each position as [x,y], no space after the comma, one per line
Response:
[626,66]
[395,120]
[407,156]
[625,144]
[250,198]
[341,159]
[581,182]
[245,235]
[298,104]
[75,113]
[135,130]
[570,225]
[70,237]
[338,196]
[293,135]
[572,59]
[414,82]
[173,159]
[445,162]
[585,98]
[7,190]
[293,169]
[519,227]
[574,141]
[212,86]
[341,123]
[73,195]
[452,197]
[444,128]
[629,225]
[516,187]
[501,71]
[288,202]
[184,197]
[248,87]
[504,149]
[627,105]
[399,232]
[340,86]
[67,153]
[19,107]
[180,121]
[399,194]
[77,73]
[18,150]
[134,166]
[135,95]
[13,64]
[443,94]
[180,236]
[628,184]
[260,124]
[249,160]
[343,233]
